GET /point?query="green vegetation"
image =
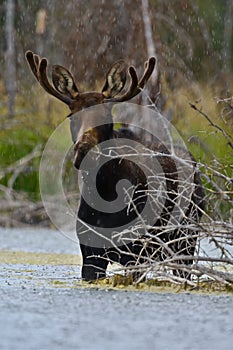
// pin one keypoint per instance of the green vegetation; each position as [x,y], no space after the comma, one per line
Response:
[23,136]
[29,131]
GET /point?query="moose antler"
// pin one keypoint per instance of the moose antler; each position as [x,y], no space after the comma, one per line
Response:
[136,86]
[38,67]
[65,89]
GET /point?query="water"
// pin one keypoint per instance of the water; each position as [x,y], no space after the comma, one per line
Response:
[58,318]
[37,240]
[45,306]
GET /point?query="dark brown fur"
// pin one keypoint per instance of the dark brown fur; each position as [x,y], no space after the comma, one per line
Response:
[95,259]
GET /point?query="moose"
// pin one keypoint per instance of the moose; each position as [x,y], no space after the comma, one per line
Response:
[180,241]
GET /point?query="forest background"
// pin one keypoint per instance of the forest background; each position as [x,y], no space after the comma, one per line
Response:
[193,42]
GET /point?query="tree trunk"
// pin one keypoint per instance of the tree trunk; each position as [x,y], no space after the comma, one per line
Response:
[227,36]
[10,57]
[152,89]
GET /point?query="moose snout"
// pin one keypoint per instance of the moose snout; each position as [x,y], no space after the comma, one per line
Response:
[86,152]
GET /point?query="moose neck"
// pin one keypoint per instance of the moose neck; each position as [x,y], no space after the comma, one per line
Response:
[104,132]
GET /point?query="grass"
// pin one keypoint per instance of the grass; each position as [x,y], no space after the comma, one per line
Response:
[116,282]
[35,121]
[34,258]
[19,136]
[203,140]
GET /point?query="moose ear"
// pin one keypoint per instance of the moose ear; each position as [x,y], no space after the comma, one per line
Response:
[115,79]
[63,81]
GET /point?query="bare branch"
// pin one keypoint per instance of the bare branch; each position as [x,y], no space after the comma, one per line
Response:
[225,134]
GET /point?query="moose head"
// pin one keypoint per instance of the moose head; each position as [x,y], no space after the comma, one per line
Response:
[65,89]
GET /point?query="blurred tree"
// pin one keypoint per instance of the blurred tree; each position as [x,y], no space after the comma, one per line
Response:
[193,39]
[227,39]
[10,77]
